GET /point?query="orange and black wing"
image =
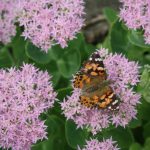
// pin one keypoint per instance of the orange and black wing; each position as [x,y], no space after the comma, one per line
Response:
[104,99]
[94,67]
[80,79]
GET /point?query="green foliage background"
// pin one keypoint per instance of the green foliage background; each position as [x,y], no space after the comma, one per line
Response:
[63,63]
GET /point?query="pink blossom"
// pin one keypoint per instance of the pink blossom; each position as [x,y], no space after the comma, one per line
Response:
[123,75]
[136,15]
[25,94]
[94,144]
[50,22]
[7,20]
[121,71]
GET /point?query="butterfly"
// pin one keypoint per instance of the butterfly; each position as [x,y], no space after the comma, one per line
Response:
[96,91]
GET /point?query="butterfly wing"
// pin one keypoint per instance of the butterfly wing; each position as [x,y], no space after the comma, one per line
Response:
[92,80]
[100,98]
[80,80]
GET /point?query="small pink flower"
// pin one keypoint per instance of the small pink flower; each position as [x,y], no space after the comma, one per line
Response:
[94,144]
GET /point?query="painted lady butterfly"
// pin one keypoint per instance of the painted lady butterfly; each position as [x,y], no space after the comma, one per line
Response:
[95,88]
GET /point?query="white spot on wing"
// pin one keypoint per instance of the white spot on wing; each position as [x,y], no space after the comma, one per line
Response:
[115,102]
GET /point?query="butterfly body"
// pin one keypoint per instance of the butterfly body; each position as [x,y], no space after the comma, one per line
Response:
[96,91]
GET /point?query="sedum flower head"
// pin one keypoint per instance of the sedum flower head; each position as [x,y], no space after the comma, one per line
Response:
[94,144]
[25,94]
[123,75]
[136,14]
[49,22]
[7,20]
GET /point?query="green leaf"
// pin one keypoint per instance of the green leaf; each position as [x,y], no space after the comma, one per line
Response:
[68,60]
[118,37]
[147,144]
[110,14]
[120,43]
[140,54]
[18,45]
[144,86]
[56,52]
[75,136]
[69,63]
[136,38]
[56,134]
[144,110]
[85,48]
[1,45]
[106,43]
[62,93]
[55,126]
[146,132]
[53,70]
[135,123]
[135,146]
[6,59]
[123,136]
[37,54]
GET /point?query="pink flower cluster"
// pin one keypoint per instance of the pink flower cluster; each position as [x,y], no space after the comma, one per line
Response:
[136,14]
[45,22]
[94,144]
[123,75]
[25,94]
[7,20]
[50,22]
